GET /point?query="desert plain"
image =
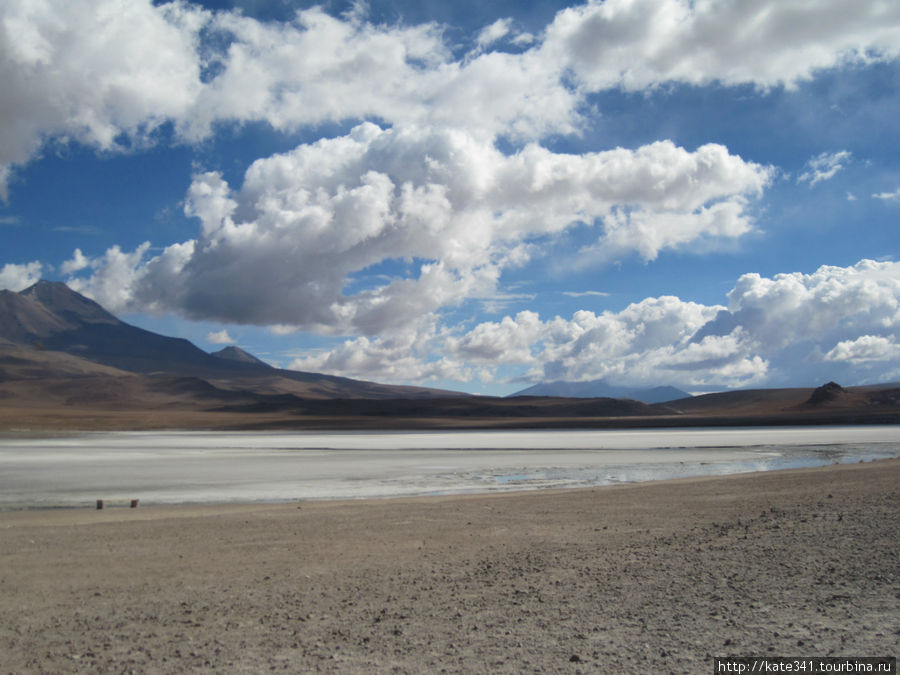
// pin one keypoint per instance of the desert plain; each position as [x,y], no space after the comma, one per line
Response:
[638,578]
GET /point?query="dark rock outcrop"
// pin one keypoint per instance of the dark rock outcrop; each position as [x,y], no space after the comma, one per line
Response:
[827,393]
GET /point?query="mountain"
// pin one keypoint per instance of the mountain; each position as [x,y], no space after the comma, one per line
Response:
[50,318]
[833,395]
[239,355]
[600,388]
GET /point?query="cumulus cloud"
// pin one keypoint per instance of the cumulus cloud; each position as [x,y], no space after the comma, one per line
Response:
[78,262]
[405,355]
[637,44]
[108,73]
[831,304]
[837,321]
[888,196]
[805,325]
[19,277]
[114,276]
[220,337]
[407,74]
[823,167]
[865,348]
[646,343]
[92,71]
[305,223]
[496,31]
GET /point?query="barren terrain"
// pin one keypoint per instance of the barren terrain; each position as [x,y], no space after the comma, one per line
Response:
[655,577]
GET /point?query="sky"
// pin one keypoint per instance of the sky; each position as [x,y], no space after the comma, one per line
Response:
[468,195]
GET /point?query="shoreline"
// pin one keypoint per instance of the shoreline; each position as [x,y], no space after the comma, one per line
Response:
[198,508]
[657,575]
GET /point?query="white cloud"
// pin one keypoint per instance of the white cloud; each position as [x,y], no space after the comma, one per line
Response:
[888,196]
[19,277]
[496,31]
[581,294]
[507,341]
[405,355]
[459,211]
[839,322]
[865,348]
[91,70]
[113,279]
[649,232]
[646,343]
[352,70]
[638,44]
[823,167]
[317,68]
[78,262]
[220,337]
[831,304]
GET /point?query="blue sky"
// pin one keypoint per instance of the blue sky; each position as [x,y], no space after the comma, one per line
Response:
[470,195]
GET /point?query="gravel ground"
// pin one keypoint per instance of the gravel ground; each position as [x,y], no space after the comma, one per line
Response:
[658,577]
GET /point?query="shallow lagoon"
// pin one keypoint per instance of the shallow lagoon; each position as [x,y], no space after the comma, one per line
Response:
[207,467]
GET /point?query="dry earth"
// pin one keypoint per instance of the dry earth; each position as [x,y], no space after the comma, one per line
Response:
[658,577]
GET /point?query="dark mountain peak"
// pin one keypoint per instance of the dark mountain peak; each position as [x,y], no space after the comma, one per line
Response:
[66,303]
[238,354]
[53,318]
[826,393]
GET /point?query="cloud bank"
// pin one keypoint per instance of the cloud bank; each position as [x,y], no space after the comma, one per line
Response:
[833,322]
[109,74]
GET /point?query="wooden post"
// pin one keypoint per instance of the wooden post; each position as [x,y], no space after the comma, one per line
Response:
[99,504]
[134,503]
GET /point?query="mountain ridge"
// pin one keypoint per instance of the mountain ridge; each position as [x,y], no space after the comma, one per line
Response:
[67,363]
[50,316]
[601,388]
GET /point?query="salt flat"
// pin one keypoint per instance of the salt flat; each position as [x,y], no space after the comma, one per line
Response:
[206,467]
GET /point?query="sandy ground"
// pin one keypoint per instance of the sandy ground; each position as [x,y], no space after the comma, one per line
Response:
[658,577]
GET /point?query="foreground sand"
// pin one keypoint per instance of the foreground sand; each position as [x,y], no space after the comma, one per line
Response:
[657,577]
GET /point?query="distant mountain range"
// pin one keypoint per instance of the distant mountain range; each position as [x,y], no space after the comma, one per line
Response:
[67,363]
[598,388]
